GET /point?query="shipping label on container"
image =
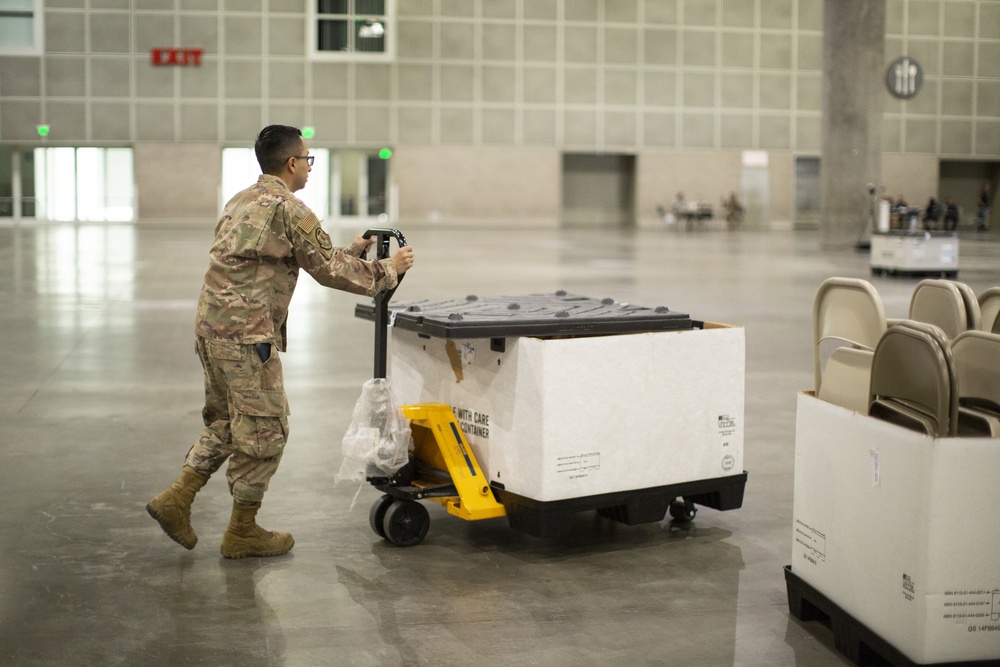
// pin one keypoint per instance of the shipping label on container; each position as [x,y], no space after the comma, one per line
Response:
[578,466]
[726,429]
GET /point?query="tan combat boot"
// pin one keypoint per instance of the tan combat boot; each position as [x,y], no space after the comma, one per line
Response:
[245,538]
[172,508]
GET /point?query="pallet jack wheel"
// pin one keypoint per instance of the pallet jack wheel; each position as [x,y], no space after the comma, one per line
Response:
[406,523]
[682,510]
[377,514]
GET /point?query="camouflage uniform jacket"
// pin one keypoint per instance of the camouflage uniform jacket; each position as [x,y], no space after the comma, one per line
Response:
[264,237]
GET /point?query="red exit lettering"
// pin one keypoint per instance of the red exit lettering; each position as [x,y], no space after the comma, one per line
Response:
[180,57]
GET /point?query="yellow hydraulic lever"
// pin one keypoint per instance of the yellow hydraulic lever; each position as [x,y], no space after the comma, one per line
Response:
[438,441]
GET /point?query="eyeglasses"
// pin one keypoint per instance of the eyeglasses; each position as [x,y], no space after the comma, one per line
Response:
[308,158]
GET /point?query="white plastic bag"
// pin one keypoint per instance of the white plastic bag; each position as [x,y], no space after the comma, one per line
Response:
[378,441]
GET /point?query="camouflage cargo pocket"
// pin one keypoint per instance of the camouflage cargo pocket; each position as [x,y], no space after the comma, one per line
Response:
[217,349]
[259,422]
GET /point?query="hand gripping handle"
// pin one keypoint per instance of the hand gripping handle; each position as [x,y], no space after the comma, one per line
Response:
[382,239]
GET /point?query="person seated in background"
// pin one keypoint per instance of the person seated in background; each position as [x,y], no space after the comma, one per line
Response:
[983,207]
[932,214]
[734,210]
[680,204]
[950,214]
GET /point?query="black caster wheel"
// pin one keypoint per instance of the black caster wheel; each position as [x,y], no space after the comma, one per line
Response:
[406,523]
[376,514]
[683,511]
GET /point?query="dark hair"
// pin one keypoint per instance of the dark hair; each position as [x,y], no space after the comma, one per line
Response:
[275,144]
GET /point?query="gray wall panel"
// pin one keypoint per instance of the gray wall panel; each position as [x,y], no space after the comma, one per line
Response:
[64,76]
[201,82]
[110,77]
[242,122]
[153,81]
[499,126]
[329,80]
[154,121]
[540,43]
[331,122]
[456,126]
[539,127]
[660,88]
[956,137]
[416,125]
[153,31]
[372,81]
[242,35]
[416,82]
[499,84]
[110,121]
[199,122]
[774,132]
[20,77]
[65,32]
[286,36]
[109,33]
[373,125]
[19,119]
[499,41]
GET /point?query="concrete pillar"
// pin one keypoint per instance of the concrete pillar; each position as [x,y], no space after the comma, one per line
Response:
[16,187]
[853,60]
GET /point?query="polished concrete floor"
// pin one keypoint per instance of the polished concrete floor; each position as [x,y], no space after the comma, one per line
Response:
[100,397]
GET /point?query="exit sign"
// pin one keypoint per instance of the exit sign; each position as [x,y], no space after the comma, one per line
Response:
[179,57]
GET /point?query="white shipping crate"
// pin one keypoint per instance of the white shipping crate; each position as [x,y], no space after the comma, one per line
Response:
[899,530]
[558,418]
[914,252]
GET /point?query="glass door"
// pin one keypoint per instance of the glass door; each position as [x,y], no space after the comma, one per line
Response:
[86,184]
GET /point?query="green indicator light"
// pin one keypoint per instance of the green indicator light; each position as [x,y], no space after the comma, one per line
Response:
[308,132]
[43,130]
[385,153]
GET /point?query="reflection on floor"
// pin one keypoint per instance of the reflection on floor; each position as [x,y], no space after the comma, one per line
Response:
[100,396]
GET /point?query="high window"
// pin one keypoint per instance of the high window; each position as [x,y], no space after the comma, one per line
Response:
[21,27]
[351,29]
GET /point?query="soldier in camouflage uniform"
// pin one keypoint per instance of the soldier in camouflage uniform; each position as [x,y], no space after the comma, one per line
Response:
[264,237]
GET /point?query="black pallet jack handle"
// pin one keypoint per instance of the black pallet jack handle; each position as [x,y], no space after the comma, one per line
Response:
[382,239]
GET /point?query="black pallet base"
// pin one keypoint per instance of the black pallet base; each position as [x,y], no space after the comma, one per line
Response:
[915,273]
[856,641]
[552,518]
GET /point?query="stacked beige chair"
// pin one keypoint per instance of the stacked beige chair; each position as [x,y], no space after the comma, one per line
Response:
[941,303]
[973,312]
[989,306]
[913,380]
[847,315]
[977,367]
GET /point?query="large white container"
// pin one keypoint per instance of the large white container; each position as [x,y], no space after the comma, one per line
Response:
[915,253]
[899,530]
[558,418]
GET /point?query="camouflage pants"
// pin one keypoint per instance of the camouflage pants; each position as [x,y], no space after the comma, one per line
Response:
[245,415]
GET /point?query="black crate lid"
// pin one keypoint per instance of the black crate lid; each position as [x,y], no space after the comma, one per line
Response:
[556,314]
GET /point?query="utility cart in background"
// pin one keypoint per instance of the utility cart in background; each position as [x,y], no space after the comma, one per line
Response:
[536,407]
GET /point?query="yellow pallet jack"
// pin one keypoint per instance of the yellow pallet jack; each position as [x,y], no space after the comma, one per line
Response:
[442,467]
